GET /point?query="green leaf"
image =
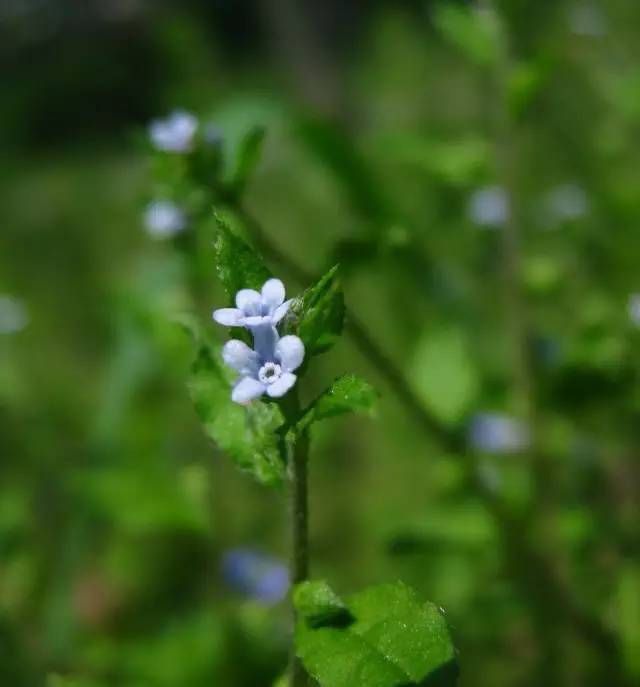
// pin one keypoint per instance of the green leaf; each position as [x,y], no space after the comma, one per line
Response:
[249,435]
[347,394]
[320,606]
[444,375]
[319,313]
[391,638]
[247,158]
[475,33]
[238,266]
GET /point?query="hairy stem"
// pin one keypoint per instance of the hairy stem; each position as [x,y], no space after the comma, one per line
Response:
[298,471]
[300,534]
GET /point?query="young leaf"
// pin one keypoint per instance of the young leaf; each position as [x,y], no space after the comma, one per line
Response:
[347,394]
[247,435]
[320,313]
[238,266]
[247,158]
[391,640]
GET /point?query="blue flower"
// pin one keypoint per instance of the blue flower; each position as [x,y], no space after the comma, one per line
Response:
[266,370]
[268,367]
[256,310]
[13,315]
[495,433]
[174,134]
[255,575]
[164,219]
[634,309]
[489,206]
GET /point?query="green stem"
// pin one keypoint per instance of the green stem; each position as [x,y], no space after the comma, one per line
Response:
[298,471]
[300,534]
[300,509]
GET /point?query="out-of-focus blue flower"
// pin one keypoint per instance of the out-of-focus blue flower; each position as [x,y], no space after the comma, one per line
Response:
[255,575]
[164,219]
[489,206]
[497,433]
[256,311]
[633,309]
[266,370]
[174,134]
[585,18]
[13,315]
[567,202]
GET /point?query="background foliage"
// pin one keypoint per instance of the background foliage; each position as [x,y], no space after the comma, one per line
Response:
[383,122]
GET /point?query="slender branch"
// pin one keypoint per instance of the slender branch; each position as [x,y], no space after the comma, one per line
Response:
[515,303]
[548,601]
[553,599]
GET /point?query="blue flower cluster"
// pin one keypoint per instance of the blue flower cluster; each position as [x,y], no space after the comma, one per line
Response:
[176,133]
[180,133]
[268,367]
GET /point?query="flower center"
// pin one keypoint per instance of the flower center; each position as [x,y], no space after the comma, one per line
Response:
[269,372]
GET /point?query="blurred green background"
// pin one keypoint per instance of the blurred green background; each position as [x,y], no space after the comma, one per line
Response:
[476,175]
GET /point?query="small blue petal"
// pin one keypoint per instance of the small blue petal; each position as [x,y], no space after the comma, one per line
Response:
[272,294]
[239,357]
[282,385]
[246,390]
[249,301]
[228,317]
[290,352]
